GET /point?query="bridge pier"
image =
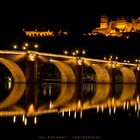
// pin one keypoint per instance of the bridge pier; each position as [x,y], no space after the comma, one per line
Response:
[79,70]
[31,68]
[112,74]
[137,73]
[31,99]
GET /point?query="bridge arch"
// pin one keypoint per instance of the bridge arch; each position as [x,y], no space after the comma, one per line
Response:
[67,74]
[128,75]
[15,70]
[102,75]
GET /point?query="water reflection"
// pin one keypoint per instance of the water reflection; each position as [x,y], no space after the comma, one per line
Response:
[36,99]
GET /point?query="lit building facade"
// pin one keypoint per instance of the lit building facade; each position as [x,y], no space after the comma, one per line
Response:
[116,27]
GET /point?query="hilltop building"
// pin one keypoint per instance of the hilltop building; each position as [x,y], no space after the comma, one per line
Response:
[116,27]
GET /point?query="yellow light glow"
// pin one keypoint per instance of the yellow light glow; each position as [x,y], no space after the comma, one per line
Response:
[75,114]
[14,119]
[36,46]
[35,120]
[83,52]
[77,51]
[24,48]
[104,58]
[31,109]
[136,60]
[32,57]
[63,114]
[23,118]
[69,113]
[81,114]
[65,52]
[26,44]
[116,58]
[15,46]
[73,53]
[25,121]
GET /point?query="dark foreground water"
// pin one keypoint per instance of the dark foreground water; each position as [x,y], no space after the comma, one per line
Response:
[69,111]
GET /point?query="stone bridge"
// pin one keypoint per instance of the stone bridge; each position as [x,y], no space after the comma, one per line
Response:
[25,66]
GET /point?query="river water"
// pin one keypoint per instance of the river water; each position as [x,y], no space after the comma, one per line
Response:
[74,111]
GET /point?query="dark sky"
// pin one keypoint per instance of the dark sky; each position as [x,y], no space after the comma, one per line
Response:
[43,12]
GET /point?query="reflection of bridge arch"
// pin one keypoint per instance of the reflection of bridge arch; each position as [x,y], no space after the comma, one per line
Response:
[128,92]
[128,75]
[101,94]
[14,96]
[102,75]
[67,92]
[15,70]
[67,74]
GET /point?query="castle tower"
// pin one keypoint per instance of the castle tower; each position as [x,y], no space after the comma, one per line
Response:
[104,22]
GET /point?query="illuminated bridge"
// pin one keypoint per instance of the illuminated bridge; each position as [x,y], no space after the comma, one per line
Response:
[25,66]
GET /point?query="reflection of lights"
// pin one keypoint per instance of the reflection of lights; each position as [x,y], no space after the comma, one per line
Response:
[62,113]
[31,109]
[138,114]
[14,119]
[109,111]
[50,105]
[138,106]
[81,114]
[75,114]
[124,105]
[127,105]
[102,109]
[97,108]
[23,118]
[69,112]
[114,110]
[50,90]
[9,85]
[25,121]
[35,120]
[135,107]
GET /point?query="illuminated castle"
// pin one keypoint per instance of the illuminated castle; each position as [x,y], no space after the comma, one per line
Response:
[116,27]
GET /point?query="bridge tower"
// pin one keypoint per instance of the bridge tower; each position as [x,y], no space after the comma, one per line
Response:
[104,22]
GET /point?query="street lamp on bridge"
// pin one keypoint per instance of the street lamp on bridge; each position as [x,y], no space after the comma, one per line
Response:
[138,64]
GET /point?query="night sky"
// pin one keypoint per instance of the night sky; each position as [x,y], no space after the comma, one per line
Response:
[42,13]
[79,17]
